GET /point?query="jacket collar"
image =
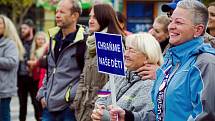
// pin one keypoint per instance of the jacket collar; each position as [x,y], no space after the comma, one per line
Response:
[3,41]
[54,31]
[181,53]
[132,76]
[59,37]
[79,36]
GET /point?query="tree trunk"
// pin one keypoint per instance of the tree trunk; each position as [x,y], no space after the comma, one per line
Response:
[21,17]
[14,14]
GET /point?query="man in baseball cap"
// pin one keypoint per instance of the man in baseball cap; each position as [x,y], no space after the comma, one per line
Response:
[169,7]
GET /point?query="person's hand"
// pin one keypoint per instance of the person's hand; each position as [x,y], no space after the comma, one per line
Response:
[116,112]
[148,71]
[43,102]
[98,113]
[31,63]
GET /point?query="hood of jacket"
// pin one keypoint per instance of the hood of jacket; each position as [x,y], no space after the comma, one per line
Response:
[3,41]
[79,36]
[183,52]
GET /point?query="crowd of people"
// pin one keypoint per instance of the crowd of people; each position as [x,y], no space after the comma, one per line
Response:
[169,69]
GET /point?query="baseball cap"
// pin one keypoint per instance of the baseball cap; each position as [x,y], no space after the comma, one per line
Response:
[169,6]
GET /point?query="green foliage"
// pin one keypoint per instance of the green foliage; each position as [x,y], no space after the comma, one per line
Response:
[206,2]
[23,3]
[47,4]
[19,8]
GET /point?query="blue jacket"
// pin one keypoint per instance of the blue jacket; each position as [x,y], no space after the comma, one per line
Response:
[182,100]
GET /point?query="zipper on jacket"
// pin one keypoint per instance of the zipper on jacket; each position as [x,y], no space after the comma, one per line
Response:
[168,82]
[54,70]
[61,53]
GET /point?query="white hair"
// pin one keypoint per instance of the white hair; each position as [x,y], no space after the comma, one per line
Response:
[198,10]
[148,45]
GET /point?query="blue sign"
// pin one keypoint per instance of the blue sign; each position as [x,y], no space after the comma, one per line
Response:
[109,49]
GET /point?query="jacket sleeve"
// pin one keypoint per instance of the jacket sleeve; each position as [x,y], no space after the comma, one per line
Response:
[103,100]
[206,65]
[142,104]
[196,86]
[142,107]
[10,58]
[80,87]
[149,116]
[42,91]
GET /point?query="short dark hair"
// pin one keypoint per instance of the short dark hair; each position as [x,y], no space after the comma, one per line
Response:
[29,22]
[76,6]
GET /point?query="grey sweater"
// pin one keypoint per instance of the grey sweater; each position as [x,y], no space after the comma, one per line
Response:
[132,94]
[9,61]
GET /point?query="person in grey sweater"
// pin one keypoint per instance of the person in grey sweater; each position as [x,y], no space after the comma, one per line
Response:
[132,93]
[11,51]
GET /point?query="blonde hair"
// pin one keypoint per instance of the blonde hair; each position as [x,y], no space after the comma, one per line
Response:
[11,33]
[35,51]
[164,20]
[148,45]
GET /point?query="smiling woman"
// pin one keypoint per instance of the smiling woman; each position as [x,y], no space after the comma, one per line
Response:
[160,31]
[139,48]
[183,85]
[133,93]
[211,22]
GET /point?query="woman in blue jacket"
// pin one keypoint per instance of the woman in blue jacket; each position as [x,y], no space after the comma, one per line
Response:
[185,82]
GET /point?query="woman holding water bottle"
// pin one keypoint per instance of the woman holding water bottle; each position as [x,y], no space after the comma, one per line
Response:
[132,93]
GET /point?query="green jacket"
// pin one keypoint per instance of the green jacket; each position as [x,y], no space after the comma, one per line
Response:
[90,82]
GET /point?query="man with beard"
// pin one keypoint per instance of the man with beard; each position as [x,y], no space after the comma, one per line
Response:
[26,84]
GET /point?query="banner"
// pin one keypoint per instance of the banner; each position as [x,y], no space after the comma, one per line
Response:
[109,49]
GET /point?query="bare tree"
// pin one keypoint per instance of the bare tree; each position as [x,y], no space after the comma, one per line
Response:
[19,9]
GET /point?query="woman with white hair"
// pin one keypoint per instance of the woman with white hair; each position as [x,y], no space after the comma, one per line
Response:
[132,93]
[11,51]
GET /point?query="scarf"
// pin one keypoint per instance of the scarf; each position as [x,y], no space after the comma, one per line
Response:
[91,43]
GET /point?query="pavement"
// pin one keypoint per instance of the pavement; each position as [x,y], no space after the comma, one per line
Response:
[14,106]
